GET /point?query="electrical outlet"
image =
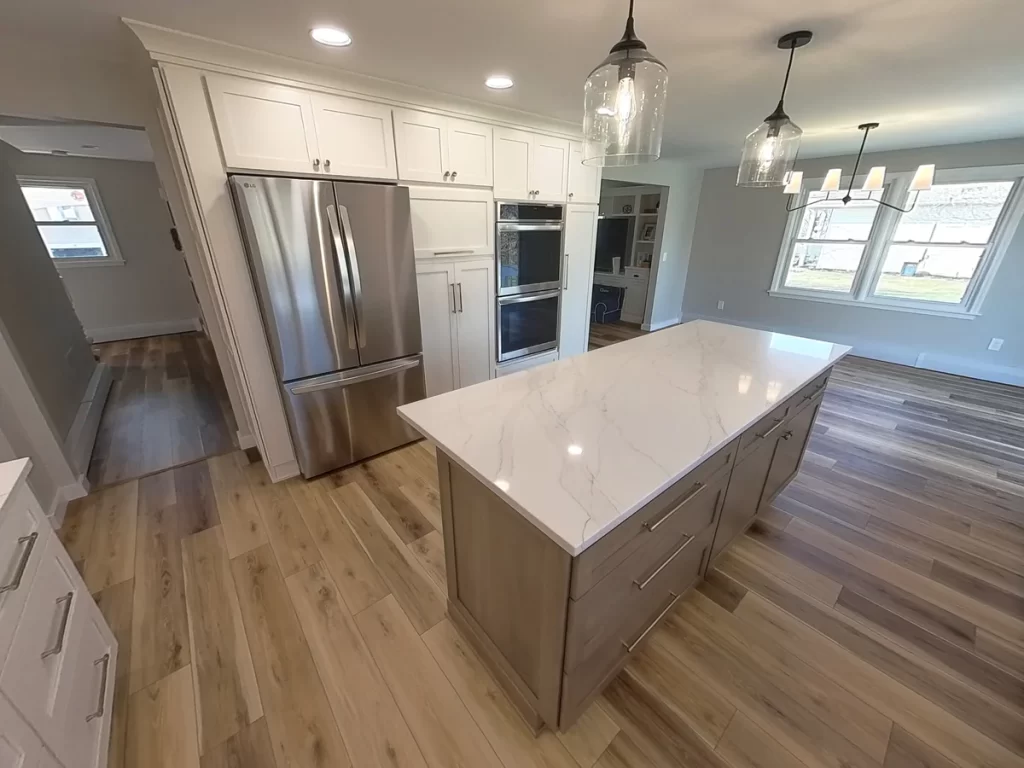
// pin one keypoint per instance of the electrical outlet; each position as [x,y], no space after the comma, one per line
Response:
[995,345]
[721,305]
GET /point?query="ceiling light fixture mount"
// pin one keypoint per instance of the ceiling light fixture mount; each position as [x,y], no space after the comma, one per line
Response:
[770,151]
[873,182]
[331,36]
[624,104]
[499,82]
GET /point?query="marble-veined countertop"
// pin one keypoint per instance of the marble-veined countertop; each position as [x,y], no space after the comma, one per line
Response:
[578,445]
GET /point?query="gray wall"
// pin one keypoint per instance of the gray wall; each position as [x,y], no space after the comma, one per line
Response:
[35,313]
[668,276]
[150,293]
[736,245]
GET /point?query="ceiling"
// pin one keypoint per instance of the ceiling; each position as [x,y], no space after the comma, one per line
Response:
[930,71]
[77,139]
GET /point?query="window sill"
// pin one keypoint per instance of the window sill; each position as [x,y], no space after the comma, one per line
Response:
[958,314]
[62,264]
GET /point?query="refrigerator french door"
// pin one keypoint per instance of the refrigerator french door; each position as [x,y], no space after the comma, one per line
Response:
[335,277]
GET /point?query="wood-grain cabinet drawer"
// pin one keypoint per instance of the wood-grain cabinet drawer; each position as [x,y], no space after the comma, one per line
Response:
[680,508]
[38,673]
[22,535]
[652,569]
[632,628]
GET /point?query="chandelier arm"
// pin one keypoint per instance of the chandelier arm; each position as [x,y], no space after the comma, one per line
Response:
[908,209]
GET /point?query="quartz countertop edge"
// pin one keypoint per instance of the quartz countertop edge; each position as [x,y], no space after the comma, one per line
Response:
[588,441]
[12,473]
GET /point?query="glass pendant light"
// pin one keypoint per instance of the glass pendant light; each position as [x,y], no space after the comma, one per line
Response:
[770,151]
[624,105]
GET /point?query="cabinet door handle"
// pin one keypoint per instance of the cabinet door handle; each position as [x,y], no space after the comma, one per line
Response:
[105,661]
[327,163]
[565,273]
[446,175]
[452,286]
[778,423]
[675,599]
[454,174]
[466,251]
[59,646]
[787,435]
[820,388]
[660,568]
[30,543]
[460,296]
[696,489]
[570,195]
[316,162]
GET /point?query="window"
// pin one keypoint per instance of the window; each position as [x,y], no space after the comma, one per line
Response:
[939,258]
[70,220]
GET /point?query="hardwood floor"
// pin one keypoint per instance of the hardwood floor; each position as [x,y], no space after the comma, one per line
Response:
[873,616]
[167,407]
[603,334]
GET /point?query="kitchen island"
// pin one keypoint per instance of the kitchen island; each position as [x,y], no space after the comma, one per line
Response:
[582,499]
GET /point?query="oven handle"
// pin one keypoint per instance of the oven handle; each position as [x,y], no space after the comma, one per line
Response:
[523,298]
[510,227]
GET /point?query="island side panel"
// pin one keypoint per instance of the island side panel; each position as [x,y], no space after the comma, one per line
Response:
[508,589]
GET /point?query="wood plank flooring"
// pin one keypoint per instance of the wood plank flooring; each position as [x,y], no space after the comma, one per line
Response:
[167,407]
[603,334]
[873,617]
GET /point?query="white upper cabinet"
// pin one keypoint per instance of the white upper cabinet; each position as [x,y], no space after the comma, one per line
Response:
[442,150]
[354,137]
[452,222]
[263,127]
[530,166]
[584,180]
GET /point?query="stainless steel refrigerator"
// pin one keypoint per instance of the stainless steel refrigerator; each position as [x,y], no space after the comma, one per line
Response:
[335,275]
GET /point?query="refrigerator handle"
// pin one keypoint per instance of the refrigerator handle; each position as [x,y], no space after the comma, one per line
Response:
[357,284]
[348,378]
[346,289]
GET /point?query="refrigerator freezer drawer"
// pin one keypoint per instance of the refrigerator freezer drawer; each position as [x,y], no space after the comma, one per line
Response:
[348,416]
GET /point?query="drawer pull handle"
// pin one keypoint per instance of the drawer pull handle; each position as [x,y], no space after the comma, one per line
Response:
[816,392]
[778,423]
[660,568]
[696,489]
[787,435]
[66,600]
[105,661]
[30,543]
[675,599]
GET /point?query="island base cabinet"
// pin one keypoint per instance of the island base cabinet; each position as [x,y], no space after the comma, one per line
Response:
[741,500]
[789,450]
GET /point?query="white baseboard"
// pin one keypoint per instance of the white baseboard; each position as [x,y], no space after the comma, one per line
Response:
[61,499]
[971,369]
[141,330]
[280,472]
[81,437]
[245,439]
[659,325]
[635,319]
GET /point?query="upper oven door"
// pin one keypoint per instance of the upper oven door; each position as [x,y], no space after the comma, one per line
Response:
[529,257]
[530,213]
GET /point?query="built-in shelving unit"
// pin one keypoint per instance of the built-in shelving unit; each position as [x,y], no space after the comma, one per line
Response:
[643,206]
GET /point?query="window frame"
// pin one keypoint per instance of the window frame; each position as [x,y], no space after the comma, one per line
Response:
[102,222]
[880,240]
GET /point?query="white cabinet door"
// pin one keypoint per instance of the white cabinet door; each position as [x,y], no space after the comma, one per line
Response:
[469,153]
[435,284]
[549,169]
[474,292]
[584,180]
[451,222]
[513,151]
[577,279]
[19,746]
[91,697]
[263,127]
[355,137]
[421,140]
[21,547]
[634,304]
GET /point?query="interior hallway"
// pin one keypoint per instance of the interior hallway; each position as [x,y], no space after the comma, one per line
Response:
[167,407]
[603,334]
[303,624]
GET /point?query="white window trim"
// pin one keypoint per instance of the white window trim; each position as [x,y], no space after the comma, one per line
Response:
[92,193]
[881,234]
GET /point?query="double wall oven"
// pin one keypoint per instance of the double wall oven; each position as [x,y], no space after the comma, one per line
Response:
[529,273]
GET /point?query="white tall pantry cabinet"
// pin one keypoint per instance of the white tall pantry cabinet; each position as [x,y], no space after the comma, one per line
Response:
[577,279]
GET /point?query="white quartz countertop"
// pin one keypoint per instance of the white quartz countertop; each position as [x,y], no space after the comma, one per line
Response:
[579,445]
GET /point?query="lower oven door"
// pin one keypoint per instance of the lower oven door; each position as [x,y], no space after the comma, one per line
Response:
[527,324]
[343,417]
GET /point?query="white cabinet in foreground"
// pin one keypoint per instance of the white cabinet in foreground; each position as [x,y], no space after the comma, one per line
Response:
[584,180]
[442,150]
[457,321]
[577,279]
[530,166]
[449,222]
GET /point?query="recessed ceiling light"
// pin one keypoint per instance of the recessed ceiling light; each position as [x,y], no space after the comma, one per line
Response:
[332,36]
[499,82]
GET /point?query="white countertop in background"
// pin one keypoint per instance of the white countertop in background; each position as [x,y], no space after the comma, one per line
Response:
[578,445]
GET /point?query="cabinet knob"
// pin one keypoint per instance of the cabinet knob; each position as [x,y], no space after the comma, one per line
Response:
[446,175]
[787,436]
[316,162]
[454,174]
[570,195]
[327,163]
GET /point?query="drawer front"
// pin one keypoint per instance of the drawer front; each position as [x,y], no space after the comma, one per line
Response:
[669,511]
[22,536]
[808,392]
[91,695]
[652,569]
[765,429]
[584,682]
[38,672]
